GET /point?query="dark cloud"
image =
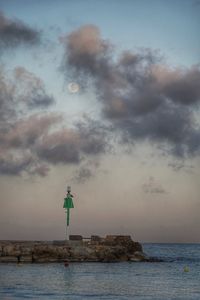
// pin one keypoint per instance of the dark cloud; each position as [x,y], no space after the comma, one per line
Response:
[87,51]
[6,98]
[178,85]
[33,144]
[82,175]
[86,171]
[18,162]
[59,147]
[19,93]
[71,145]
[32,140]
[153,187]
[9,165]
[181,165]
[18,142]
[141,97]
[94,138]
[13,33]
[31,89]
[40,169]
[19,134]
[26,132]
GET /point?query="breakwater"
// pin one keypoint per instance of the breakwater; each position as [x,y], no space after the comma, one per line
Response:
[112,248]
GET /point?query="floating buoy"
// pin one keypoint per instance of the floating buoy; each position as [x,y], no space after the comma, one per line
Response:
[186,269]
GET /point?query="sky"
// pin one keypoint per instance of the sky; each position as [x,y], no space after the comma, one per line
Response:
[103,96]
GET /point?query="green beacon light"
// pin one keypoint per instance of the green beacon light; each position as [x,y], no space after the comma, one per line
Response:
[68,204]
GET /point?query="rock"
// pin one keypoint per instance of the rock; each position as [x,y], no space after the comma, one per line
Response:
[58,243]
[124,241]
[8,259]
[82,251]
[95,238]
[26,259]
[26,251]
[138,256]
[112,248]
[75,237]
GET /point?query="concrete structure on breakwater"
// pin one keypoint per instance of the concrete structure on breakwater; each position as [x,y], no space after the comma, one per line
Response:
[112,248]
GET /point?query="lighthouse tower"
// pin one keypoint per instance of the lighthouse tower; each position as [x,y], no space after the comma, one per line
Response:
[68,204]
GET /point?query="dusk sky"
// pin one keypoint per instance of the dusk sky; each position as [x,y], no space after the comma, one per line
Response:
[103,96]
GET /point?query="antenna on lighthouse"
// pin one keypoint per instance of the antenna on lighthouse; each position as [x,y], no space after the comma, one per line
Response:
[68,204]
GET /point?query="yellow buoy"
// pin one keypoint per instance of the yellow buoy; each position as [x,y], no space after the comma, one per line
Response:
[186,269]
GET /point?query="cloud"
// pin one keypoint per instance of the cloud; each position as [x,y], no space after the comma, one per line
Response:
[35,143]
[18,141]
[82,175]
[6,98]
[22,124]
[86,171]
[31,139]
[14,33]
[71,145]
[181,165]
[31,89]
[142,98]
[178,85]
[87,51]
[19,93]
[9,165]
[26,132]
[153,187]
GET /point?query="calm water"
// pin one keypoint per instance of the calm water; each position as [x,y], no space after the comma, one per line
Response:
[164,280]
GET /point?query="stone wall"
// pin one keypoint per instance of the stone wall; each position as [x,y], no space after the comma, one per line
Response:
[109,249]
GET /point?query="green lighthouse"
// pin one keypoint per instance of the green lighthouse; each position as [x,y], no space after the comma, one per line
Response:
[68,204]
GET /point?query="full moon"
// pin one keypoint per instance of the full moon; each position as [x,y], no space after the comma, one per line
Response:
[73,87]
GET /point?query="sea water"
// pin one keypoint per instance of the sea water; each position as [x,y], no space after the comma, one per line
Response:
[177,277]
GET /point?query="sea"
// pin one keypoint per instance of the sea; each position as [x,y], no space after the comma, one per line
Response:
[176,277]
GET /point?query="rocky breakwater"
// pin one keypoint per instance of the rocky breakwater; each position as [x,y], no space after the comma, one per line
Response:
[112,248]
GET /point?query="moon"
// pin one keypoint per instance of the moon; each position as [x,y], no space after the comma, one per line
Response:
[73,87]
